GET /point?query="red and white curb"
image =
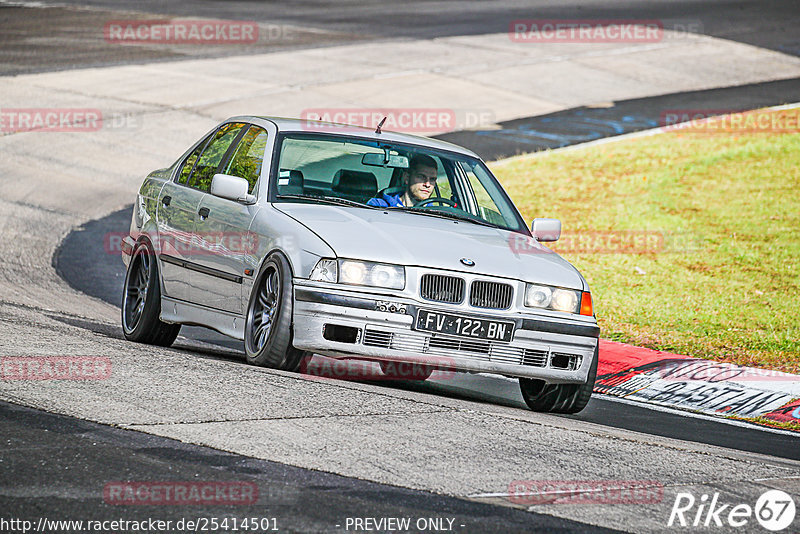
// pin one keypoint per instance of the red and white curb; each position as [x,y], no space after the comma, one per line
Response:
[697,385]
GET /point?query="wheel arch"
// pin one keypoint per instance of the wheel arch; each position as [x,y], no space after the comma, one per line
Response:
[146,238]
[275,250]
[265,354]
[259,271]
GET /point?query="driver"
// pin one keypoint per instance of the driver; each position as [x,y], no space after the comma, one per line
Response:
[418,182]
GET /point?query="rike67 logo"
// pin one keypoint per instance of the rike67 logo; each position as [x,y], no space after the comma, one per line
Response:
[774,510]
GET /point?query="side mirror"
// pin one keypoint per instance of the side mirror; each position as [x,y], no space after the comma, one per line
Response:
[546,229]
[232,188]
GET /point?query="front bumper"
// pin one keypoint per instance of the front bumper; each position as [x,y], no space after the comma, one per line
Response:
[557,351]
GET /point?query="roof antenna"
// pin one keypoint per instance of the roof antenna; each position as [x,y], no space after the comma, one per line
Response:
[378,129]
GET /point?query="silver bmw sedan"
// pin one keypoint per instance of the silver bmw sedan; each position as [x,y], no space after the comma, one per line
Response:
[301,237]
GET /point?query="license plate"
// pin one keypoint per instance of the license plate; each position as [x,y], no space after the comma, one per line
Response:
[459,325]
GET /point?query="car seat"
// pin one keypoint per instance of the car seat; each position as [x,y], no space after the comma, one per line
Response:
[290,182]
[359,186]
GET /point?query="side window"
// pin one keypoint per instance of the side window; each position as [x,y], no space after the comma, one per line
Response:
[445,190]
[487,208]
[188,163]
[442,181]
[212,156]
[249,156]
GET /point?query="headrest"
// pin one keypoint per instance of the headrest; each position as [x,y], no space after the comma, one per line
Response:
[290,182]
[352,182]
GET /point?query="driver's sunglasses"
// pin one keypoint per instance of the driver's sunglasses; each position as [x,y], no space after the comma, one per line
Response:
[421,179]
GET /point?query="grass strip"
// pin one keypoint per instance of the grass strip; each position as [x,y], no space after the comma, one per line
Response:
[689,239]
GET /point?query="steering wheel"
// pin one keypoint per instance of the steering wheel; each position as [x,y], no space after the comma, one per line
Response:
[431,200]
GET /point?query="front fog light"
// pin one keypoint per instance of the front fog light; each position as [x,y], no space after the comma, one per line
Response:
[325,271]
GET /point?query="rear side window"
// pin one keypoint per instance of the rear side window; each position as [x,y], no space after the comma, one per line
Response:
[191,159]
[249,156]
[212,155]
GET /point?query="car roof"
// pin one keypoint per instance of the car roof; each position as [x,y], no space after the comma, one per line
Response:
[305,126]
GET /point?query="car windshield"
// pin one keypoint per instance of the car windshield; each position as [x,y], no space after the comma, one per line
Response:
[328,169]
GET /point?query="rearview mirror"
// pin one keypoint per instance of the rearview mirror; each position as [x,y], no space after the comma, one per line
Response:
[546,229]
[232,188]
[384,160]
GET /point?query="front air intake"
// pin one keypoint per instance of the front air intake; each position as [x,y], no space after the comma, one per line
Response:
[492,295]
[440,288]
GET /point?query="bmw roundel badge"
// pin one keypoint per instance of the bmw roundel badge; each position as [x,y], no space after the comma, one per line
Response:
[468,262]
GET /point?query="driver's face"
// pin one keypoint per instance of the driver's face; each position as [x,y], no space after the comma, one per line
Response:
[421,181]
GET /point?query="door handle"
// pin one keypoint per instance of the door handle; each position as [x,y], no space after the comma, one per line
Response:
[166,200]
[203,212]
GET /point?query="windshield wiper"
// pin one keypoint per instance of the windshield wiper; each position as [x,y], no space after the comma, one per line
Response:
[332,200]
[451,215]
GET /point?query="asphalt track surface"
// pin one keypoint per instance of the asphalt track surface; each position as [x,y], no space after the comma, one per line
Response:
[584,124]
[50,446]
[47,447]
[83,261]
[74,39]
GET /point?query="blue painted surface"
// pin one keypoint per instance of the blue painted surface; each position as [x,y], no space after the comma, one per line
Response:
[559,131]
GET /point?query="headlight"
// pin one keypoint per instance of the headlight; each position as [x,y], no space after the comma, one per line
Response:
[565,300]
[552,298]
[325,271]
[365,273]
[538,296]
[362,273]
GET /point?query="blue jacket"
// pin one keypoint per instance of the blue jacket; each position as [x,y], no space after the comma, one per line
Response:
[386,201]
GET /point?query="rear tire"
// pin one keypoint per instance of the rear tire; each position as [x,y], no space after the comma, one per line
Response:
[268,328]
[559,398]
[141,302]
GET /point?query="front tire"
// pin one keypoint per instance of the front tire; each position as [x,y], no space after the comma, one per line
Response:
[141,302]
[559,398]
[268,329]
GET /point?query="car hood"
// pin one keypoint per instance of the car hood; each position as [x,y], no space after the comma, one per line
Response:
[403,238]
